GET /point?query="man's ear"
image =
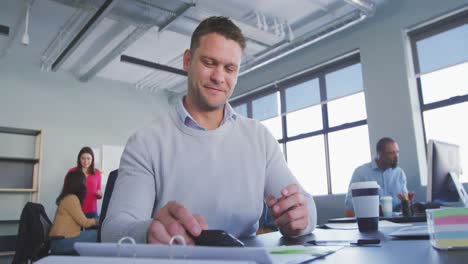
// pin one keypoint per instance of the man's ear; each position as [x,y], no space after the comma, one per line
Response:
[187,59]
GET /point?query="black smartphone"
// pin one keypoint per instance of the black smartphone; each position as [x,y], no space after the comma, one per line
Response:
[217,238]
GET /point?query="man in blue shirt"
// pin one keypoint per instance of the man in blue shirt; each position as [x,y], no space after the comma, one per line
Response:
[384,170]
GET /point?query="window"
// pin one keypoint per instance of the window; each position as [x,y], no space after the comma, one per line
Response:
[241,109]
[320,119]
[265,109]
[442,79]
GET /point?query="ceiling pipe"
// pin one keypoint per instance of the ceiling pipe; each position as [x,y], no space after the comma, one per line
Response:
[121,47]
[63,36]
[285,49]
[14,33]
[366,7]
[137,33]
[83,33]
[153,65]
[180,12]
[25,38]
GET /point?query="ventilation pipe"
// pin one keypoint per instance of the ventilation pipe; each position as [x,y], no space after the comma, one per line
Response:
[25,38]
[366,9]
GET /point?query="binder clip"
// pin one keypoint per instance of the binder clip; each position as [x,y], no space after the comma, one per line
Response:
[121,242]
[181,240]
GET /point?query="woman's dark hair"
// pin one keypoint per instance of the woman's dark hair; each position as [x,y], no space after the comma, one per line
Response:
[86,150]
[74,183]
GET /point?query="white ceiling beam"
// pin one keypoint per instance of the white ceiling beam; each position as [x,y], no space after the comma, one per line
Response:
[84,32]
[250,32]
[121,47]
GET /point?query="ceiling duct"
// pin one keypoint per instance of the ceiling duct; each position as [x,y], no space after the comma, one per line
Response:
[366,9]
[135,12]
[85,31]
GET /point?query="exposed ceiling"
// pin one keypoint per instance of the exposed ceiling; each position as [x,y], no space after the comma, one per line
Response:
[88,37]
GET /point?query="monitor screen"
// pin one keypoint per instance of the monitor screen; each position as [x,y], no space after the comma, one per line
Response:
[443,160]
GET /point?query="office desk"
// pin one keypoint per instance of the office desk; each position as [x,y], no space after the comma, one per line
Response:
[391,251]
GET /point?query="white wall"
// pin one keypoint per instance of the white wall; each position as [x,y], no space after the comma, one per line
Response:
[391,96]
[71,114]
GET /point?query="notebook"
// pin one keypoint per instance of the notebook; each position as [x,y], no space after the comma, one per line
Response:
[411,232]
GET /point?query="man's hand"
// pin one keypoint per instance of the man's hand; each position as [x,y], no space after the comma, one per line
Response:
[290,211]
[174,219]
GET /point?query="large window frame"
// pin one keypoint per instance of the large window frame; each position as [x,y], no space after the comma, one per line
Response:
[447,23]
[281,86]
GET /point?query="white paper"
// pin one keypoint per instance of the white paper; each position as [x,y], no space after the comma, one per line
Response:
[300,254]
[114,260]
[349,226]
[257,254]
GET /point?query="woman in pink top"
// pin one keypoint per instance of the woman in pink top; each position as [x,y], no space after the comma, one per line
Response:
[85,162]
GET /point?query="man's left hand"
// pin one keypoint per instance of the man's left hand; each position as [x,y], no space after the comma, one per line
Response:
[290,211]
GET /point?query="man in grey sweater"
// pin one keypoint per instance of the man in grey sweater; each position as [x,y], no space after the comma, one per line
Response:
[201,165]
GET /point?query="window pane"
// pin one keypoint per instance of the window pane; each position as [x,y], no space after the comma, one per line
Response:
[343,82]
[305,120]
[444,49]
[306,159]
[274,126]
[346,155]
[265,107]
[445,83]
[241,109]
[347,109]
[302,95]
[441,124]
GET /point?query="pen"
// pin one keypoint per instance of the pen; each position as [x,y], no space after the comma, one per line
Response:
[359,242]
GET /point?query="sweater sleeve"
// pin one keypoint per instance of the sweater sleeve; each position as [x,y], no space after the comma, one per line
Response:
[73,207]
[278,176]
[132,200]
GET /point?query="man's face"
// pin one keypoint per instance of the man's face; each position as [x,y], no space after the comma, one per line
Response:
[212,71]
[389,156]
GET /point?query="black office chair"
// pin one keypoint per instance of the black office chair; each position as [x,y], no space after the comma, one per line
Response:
[33,240]
[105,201]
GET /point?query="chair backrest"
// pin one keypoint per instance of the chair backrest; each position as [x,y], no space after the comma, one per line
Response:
[33,233]
[105,201]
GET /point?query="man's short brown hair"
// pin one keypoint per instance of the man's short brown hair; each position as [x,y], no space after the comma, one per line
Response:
[220,25]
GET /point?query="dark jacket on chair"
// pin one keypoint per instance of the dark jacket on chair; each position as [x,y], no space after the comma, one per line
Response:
[33,231]
[105,202]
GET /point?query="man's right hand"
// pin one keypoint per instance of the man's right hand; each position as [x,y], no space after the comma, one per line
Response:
[174,219]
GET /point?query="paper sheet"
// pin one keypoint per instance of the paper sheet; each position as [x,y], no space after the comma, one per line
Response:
[257,254]
[350,226]
[300,254]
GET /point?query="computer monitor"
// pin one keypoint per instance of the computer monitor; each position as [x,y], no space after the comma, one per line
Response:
[443,184]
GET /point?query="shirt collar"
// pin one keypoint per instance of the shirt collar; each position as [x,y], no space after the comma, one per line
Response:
[374,165]
[189,121]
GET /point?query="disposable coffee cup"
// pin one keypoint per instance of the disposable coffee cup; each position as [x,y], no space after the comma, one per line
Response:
[365,196]
[387,206]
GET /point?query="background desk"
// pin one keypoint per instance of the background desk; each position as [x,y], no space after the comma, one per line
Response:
[392,251]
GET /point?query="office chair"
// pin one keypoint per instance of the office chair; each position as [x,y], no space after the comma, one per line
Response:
[33,240]
[105,201]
